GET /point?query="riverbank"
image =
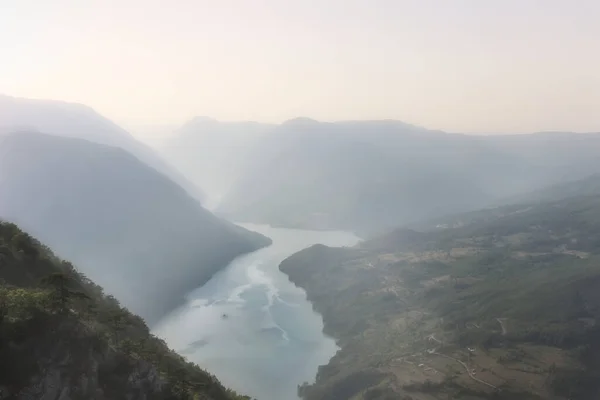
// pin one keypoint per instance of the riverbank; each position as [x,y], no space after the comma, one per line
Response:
[251,326]
[461,314]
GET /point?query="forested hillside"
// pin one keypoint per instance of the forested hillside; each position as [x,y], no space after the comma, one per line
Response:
[61,337]
[502,306]
[128,227]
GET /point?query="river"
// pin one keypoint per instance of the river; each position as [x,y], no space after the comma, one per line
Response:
[250,326]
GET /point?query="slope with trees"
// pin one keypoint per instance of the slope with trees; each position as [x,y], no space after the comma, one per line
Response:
[62,337]
[504,306]
[130,228]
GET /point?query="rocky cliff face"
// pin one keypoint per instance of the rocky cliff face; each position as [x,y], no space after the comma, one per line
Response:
[67,368]
[54,384]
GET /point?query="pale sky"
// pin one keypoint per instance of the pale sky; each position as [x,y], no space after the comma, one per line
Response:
[456,65]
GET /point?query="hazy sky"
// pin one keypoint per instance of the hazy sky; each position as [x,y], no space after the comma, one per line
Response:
[460,65]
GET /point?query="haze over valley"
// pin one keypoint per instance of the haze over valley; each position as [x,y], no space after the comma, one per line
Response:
[300,200]
[121,221]
[427,202]
[368,176]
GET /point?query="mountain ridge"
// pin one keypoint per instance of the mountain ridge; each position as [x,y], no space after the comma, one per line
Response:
[126,225]
[69,119]
[370,176]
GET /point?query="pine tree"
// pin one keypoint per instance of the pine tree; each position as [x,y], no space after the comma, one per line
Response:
[61,294]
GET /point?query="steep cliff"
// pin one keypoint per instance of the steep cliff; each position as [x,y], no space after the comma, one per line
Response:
[128,227]
[61,338]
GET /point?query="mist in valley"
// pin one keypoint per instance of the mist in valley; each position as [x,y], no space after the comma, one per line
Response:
[368,176]
[309,200]
[190,231]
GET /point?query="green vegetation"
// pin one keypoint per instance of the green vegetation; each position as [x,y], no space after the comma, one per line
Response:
[58,329]
[505,305]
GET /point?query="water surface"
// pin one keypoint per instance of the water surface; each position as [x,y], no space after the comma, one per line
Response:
[250,326]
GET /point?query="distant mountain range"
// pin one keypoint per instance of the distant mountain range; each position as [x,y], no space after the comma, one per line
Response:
[588,187]
[369,176]
[79,121]
[127,226]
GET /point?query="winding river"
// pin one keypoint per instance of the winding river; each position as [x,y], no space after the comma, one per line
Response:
[250,326]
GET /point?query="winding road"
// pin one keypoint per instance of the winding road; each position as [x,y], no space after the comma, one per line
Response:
[467,369]
[501,322]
